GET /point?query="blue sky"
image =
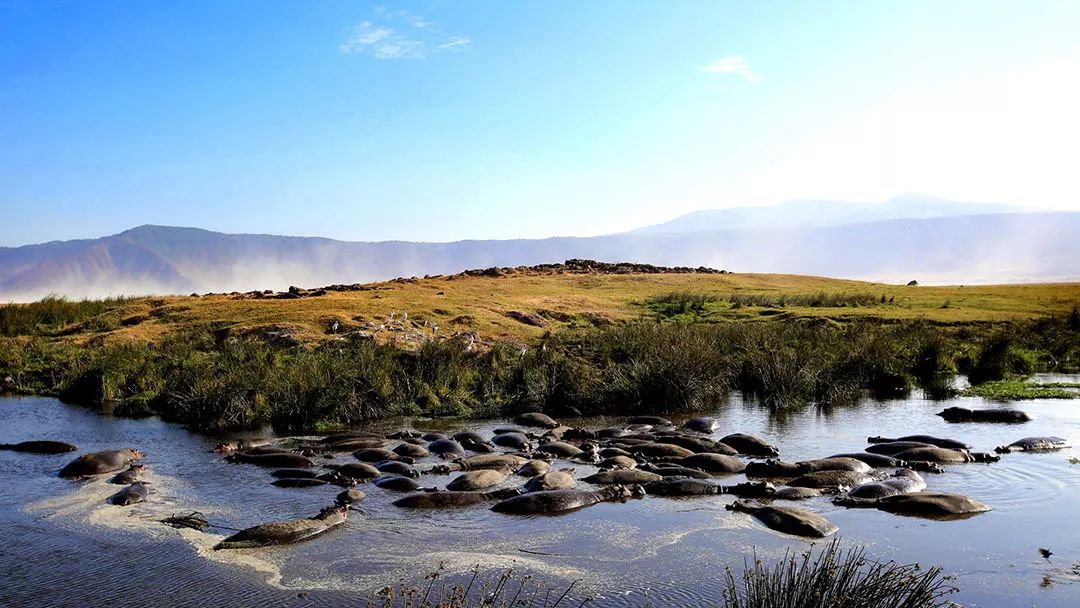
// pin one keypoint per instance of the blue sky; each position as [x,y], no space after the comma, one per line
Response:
[440,120]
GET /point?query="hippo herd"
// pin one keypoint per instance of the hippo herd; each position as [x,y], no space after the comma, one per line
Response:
[529,469]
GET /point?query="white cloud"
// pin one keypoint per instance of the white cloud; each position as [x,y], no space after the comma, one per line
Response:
[384,42]
[734,65]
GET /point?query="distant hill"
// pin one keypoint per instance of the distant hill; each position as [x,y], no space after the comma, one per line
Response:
[993,248]
[803,213]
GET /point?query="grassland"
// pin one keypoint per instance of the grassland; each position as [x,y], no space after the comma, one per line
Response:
[528,340]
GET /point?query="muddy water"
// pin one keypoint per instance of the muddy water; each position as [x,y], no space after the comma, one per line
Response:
[64,546]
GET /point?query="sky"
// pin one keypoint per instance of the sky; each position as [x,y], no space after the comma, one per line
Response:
[438,120]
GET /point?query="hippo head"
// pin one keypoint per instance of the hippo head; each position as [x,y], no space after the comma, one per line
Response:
[754,488]
[136,454]
[334,514]
[227,446]
[636,491]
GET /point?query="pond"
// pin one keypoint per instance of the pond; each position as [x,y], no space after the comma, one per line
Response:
[64,546]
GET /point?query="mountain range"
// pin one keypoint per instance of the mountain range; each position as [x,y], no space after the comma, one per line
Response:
[908,237]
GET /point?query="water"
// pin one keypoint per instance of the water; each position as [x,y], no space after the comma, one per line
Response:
[64,546]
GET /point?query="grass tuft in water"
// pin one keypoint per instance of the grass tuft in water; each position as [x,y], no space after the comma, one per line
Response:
[1013,390]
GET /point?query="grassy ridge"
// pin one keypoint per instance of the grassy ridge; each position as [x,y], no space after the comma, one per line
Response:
[598,343]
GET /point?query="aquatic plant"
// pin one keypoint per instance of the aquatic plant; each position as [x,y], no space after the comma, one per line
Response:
[837,578]
[1012,390]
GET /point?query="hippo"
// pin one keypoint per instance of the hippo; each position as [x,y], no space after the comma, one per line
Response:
[134,493]
[446,447]
[901,482]
[348,497]
[533,468]
[933,505]
[682,487]
[962,414]
[672,470]
[358,470]
[560,449]
[773,468]
[516,441]
[651,420]
[247,443]
[750,445]
[263,449]
[479,448]
[128,476]
[639,428]
[396,468]
[556,433]
[792,493]
[622,476]
[829,480]
[405,434]
[661,450]
[39,447]
[435,436]
[553,502]
[701,424]
[275,460]
[576,434]
[562,479]
[410,450]
[876,461]
[351,445]
[833,464]
[940,442]
[536,419]
[336,478]
[285,532]
[1033,444]
[445,499]
[712,463]
[294,474]
[99,463]
[378,454]
[299,482]
[787,520]
[617,462]
[482,461]
[895,447]
[397,483]
[698,444]
[945,456]
[464,437]
[610,432]
[477,480]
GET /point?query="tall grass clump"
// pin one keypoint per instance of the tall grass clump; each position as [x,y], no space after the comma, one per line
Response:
[52,314]
[680,303]
[836,578]
[821,299]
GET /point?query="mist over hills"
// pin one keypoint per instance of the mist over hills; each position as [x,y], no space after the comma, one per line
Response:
[958,243]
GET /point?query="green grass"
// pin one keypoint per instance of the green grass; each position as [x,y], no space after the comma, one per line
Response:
[838,579]
[1012,390]
[52,314]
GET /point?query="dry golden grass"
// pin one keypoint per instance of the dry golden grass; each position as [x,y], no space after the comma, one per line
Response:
[481,304]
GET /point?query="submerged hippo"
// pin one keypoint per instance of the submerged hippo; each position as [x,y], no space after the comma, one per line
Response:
[99,463]
[876,461]
[901,482]
[962,414]
[617,462]
[830,480]
[621,477]
[285,532]
[513,440]
[893,448]
[446,447]
[246,443]
[560,449]
[378,455]
[39,447]
[449,499]
[788,520]
[360,471]
[398,483]
[773,468]
[702,424]
[562,479]
[349,496]
[482,461]
[351,445]
[672,470]
[940,442]
[395,467]
[682,487]
[934,505]
[552,502]
[790,493]
[477,480]
[945,456]
[650,420]
[536,419]
[833,464]
[750,445]
[712,463]
[533,468]
[128,476]
[273,460]
[698,444]
[134,493]
[1033,444]
[410,450]
[660,450]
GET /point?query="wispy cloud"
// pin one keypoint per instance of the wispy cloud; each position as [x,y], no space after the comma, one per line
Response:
[402,35]
[734,65]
